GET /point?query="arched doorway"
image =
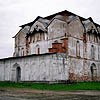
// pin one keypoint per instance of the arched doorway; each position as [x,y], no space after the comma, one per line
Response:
[18,74]
[93,72]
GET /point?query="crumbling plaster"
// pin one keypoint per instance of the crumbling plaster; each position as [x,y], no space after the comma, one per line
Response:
[49,67]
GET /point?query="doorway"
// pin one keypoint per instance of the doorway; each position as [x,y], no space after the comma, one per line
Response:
[93,72]
[18,74]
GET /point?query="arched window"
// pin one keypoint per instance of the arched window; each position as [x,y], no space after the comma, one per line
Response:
[65,35]
[37,49]
[92,52]
[22,51]
[78,48]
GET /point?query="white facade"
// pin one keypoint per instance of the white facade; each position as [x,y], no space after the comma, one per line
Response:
[45,67]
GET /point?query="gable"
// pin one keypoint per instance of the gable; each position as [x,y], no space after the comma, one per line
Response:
[76,28]
[20,38]
[89,25]
[57,28]
[37,24]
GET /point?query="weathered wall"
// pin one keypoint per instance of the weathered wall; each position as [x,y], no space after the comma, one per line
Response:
[83,52]
[47,67]
[80,70]
[75,47]
[57,28]
[20,43]
[75,28]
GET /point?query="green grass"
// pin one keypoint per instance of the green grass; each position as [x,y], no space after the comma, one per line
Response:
[56,87]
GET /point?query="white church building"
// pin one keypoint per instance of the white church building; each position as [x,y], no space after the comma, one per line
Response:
[56,48]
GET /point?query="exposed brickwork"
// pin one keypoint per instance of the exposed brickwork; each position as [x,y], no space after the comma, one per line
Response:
[53,50]
[65,45]
[56,47]
[60,47]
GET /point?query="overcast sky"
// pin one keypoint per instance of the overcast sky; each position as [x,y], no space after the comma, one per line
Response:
[14,13]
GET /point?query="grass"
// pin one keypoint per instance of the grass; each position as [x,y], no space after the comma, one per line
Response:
[55,87]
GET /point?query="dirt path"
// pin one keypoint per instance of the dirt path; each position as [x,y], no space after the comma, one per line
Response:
[30,94]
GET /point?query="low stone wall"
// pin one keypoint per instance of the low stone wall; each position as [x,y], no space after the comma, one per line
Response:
[44,67]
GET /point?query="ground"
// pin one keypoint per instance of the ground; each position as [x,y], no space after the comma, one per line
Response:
[32,94]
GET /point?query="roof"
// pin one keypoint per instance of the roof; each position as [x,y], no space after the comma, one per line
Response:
[65,12]
[47,20]
[27,56]
[50,17]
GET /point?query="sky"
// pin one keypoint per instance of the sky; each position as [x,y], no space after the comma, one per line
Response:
[14,13]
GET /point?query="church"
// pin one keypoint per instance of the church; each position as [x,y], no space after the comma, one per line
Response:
[56,48]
